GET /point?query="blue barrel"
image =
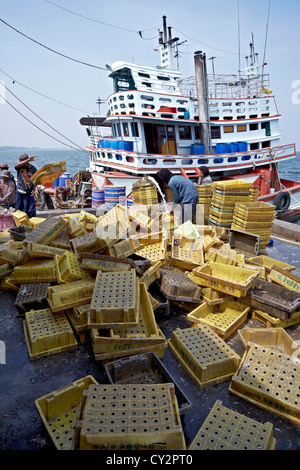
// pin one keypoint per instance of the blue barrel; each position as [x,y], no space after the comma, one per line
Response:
[114,144]
[193,149]
[233,147]
[242,146]
[222,148]
[128,145]
[56,182]
[114,195]
[121,145]
[65,179]
[98,198]
[199,149]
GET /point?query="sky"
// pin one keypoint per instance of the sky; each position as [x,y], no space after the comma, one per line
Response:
[53,57]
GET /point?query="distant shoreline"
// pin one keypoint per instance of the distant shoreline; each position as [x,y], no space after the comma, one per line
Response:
[11,147]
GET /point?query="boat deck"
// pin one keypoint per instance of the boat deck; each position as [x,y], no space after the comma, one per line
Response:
[23,381]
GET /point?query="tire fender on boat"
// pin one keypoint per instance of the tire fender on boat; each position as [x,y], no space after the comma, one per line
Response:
[282,200]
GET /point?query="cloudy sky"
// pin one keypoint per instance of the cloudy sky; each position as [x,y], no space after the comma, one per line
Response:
[53,56]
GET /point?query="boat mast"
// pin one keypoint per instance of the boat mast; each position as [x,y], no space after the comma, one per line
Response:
[202,96]
[166,46]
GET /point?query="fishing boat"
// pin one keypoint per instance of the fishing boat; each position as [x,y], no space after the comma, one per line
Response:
[158,119]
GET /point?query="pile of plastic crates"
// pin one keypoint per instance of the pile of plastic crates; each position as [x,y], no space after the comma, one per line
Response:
[254,217]
[225,195]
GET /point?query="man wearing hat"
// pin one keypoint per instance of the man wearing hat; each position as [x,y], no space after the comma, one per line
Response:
[25,190]
[7,190]
[5,167]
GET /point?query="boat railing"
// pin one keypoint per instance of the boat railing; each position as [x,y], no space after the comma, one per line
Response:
[143,162]
[229,86]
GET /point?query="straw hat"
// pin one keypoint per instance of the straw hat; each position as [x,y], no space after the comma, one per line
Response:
[4,166]
[23,157]
[5,174]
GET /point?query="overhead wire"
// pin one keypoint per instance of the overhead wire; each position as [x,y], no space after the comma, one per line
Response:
[77,147]
[52,50]
[41,94]
[98,21]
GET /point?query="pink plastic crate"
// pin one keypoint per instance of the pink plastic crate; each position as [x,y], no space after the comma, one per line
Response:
[6,221]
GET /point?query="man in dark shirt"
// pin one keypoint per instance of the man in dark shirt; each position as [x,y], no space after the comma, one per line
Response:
[25,201]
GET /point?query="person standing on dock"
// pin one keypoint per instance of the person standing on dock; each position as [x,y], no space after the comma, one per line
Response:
[7,190]
[25,200]
[5,167]
[184,192]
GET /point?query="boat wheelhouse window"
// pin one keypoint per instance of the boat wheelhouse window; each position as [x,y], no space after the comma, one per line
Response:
[267,127]
[161,77]
[165,100]
[130,97]
[147,97]
[125,129]
[228,129]
[118,129]
[182,101]
[114,132]
[162,132]
[147,84]
[185,132]
[142,74]
[215,132]
[241,128]
[123,80]
[266,144]
[121,97]
[134,129]
[254,146]
[253,127]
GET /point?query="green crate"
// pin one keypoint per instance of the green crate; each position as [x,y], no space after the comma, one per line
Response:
[47,333]
[129,417]
[204,355]
[58,412]
[269,379]
[225,429]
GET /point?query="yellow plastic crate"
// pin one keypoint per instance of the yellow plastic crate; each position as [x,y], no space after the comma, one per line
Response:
[224,318]
[232,185]
[204,355]
[68,268]
[48,173]
[107,264]
[125,248]
[36,250]
[58,412]
[76,228]
[223,254]
[231,280]
[282,277]
[20,218]
[154,251]
[10,256]
[5,270]
[42,272]
[122,338]
[47,231]
[267,262]
[115,299]
[151,274]
[69,295]
[186,253]
[225,429]
[269,379]
[256,208]
[273,322]
[47,333]
[36,221]
[213,297]
[129,417]
[276,338]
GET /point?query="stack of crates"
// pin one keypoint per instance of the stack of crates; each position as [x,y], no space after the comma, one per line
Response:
[254,193]
[225,195]
[205,193]
[144,192]
[254,217]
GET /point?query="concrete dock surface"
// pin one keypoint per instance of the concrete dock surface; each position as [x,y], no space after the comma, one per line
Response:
[22,380]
